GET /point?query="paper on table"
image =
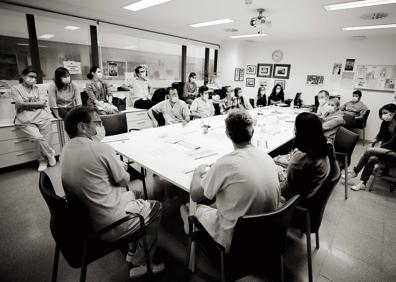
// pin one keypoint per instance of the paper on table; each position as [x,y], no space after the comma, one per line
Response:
[201,153]
[115,138]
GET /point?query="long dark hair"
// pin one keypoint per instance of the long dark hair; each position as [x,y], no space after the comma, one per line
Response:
[92,70]
[59,73]
[259,90]
[388,107]
[240,98]
[273,93]
[309,136]
[26,71]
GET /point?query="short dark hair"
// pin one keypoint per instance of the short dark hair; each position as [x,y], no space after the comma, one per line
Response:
[239,125]
[309,136]
[74,117]
[357,92]
[192,74]
[169,89]
[202,89]
[26,71]
[92,70]
[388,107]
[137,69]
[325,92]
[236,90]
[59,73]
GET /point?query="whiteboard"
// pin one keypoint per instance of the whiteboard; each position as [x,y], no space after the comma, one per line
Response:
[376,77]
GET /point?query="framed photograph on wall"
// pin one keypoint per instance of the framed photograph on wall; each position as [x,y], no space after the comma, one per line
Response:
[281,83]
[250,82]
[239,74]
[281,71]
[314,79]
[264,70]
[251,69]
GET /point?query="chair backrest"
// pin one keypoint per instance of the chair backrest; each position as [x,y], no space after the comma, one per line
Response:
[362,123]
[316,204]
[262,235]
[84,98]
[345,142]
[179,87]
[115,123]
[68,228]
[159,95]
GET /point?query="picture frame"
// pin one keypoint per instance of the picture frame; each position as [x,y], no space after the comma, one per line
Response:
[280,82]
[239,74]
[313,79]
[251,69]
[250,82]
[281,71]
[264,70]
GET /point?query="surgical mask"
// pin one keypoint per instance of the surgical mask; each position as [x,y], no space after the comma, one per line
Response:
[387,117]
[174,99]
[100,133]
[206,96]
[321,101]
[262,92]
[277,90]
[99,75]
[355,99]
[66,80]
[331,109]
[30,80]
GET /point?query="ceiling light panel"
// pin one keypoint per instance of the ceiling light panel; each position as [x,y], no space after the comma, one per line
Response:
[46,36]
[214,22]
[357,4]
[365,27]
[143,4]
[249,35]
[71,27]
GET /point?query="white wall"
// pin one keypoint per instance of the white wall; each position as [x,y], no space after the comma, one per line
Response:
[313,57]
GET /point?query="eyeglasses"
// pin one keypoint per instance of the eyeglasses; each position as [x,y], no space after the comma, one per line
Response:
[32,76]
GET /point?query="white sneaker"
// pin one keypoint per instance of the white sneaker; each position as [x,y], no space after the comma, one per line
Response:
[359,186]
[52,160]
[139,271]
[42,165]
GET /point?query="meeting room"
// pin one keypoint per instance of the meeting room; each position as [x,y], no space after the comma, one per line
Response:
[211,140]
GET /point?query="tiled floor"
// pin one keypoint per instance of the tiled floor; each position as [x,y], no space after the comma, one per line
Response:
[357,237]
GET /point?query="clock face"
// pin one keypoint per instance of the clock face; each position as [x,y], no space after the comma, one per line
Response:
[277,55]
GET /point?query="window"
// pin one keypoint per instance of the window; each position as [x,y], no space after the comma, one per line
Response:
[196,62]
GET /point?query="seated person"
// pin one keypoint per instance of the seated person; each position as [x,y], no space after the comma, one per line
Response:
[141,89]
[355,108]
[261,97]
[332,119]
[173,109]
[190,88]
[202,107]
[309,164]
[231,101]
[237,181]
[386,137]
[323,99]
[244,101]
[96,181]
[277,96]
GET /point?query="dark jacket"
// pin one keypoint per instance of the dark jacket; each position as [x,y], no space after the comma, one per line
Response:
[388,140]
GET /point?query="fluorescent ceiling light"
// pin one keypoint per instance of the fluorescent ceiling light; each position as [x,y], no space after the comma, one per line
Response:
[249,35]
[46,36]
[71,27]
[357,4]
[143,4]
[215,22]
[380,26]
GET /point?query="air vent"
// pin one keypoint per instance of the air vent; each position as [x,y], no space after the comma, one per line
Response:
[230,30]
[374,16]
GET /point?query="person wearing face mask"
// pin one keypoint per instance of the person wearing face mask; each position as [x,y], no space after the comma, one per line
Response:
[261,97]
[277,96]
[202,107]
[244,102]
[231,101]
[63,94]
[32,118]
[173,109]
[355,108]
[386,138]
[141,88]
[332,119]
[96,182]
[323,99]
[190,89]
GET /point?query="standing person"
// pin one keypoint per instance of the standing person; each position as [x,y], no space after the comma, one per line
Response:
[386,138]
[332,119]
[261,97]
[230,101]
[31,116]
[277,96]
[202,107]
[355,107]
[236,181]
[63,94]
[141,88]
[173,109]
[190,89]
[323,99]
[96,181]
[243,100]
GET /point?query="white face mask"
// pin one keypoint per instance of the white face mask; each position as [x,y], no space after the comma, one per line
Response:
[355,99]
[331,109]
[100,133]
[99,75]
[322,101]
[387,117]
[174,99]
[278,90]
[30,81]
[66,80]
[205,96]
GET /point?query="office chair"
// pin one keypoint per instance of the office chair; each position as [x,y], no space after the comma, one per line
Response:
[70,228]
[308,218]
[255,236]
[84,98]
[359,123]
[344,144]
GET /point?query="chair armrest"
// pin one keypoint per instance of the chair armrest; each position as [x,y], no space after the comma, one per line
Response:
[302,209]
[193,222]
[341,154]
[117,223]
[133,129]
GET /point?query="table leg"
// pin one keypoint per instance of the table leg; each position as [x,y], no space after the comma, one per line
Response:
[191,267]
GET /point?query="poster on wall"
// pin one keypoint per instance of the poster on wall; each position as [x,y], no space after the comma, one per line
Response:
[375,77]
[337,69]
[73,67]
[239,74]
[264,70]
[281,83]
[250,82]
[251,69]
[349,64]
[113,69]
[264,83]
[314,79]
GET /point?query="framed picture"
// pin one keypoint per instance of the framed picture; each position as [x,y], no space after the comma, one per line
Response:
[250,82]
[264,70]
[251,69]
[281,83]
[349,64]
[315,79]
[239,74]
[281,71]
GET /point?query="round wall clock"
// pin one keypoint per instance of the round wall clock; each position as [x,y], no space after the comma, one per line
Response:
[277,55]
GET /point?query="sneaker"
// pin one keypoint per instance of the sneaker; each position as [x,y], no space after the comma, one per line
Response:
[184,212]
[42,165]
[52,160]
[351,174]
[360,186]
[139,271]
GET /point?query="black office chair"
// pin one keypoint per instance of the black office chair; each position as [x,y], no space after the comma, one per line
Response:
[360,124]
[255,236]
[84,98]
[308,218]
[344,144]
[70,228]
[159,95]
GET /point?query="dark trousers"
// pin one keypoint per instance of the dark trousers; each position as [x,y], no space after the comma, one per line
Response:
[143,104]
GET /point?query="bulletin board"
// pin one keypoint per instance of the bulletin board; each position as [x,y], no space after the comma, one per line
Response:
[376,77]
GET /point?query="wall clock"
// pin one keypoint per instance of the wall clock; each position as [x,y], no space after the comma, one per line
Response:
[277,55]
